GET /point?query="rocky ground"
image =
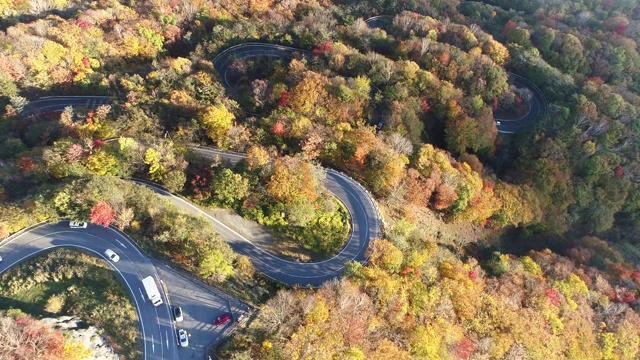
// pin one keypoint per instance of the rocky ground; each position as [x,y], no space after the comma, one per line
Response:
[90,336]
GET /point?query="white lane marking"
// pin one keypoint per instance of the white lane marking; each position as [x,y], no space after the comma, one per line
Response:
[167,335]
[120,242]
[125,237]
[153,344]
[142,295]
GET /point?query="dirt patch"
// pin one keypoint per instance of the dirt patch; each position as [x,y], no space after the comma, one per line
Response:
[262,237]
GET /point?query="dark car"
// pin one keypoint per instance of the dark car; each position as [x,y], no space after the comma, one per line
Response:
[177,313]
[222,319]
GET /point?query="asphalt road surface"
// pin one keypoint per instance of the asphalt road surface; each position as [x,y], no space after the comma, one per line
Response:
[374,22]
[222,61]
[537,108]
[58,103]
[159,338]
[200,306]
[365,224]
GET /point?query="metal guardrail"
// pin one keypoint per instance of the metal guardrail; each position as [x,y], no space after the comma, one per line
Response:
[20,232]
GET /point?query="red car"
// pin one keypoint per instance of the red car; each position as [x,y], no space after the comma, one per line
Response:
[222,319]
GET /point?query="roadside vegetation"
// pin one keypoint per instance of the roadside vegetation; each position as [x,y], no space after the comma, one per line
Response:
[286,195]
[67,282]
[19,331]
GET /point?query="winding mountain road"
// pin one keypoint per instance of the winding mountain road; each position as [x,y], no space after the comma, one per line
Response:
[247,50]
[537,106]
[365,225]
[156,325]
[59,103]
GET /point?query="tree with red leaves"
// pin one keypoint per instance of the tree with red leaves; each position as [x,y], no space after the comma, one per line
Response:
[596,80]
[620,29]
[278,128]
[323,48]
[82,24]
[284,99]
[27,338]
[628,297]
[425,105]
[201,183]
[553,295]
[26,164]
[619,171]
[102,214]
[465,348]
[473,275]
[510,25]
[444,58]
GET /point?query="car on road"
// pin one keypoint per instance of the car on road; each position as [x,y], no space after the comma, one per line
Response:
[0,258]
[112,255]
[183,338]
[77,225]
[498,123]
[222,319]
[177,313]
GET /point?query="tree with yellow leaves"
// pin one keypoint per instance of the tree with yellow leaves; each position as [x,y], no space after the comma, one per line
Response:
[257,156]
[217,121]
[307,96]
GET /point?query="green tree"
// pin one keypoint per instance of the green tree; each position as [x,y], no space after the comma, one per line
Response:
[571,57]
[227,188]
[215,264]
[174,180]
[300,211]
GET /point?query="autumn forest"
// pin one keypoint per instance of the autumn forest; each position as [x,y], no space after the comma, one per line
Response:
[497,244]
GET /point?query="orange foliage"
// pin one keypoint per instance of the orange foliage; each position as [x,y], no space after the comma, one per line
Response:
[445,196]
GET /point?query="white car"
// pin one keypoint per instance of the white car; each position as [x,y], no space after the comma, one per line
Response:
[112,255]
[177,313]
[183,338]
[77,225]
[498,123]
